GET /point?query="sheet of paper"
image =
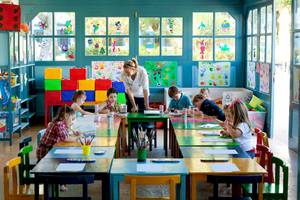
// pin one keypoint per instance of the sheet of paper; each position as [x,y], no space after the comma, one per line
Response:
[224,167]
[216,133]
[220,151]
[68,151]
[213,139]
[210,126]
[70,167]
[149,167]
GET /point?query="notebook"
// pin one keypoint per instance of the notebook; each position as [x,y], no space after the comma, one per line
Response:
[151,112]
[70,167]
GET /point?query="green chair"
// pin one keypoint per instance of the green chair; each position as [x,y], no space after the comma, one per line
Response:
[278,189]
[25,166]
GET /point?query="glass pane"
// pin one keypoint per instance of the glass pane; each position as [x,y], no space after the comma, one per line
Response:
[11,48]
[249,23]
[225,48]
[95,46]
[64,23]
[30,48]
[118,46]
[263,20]
[171,46]
[42,24]
[171,26]
[202,49]
[269,49]
[262,47]
[296,79]
[16,59]
[95,26]
[249,48]
[65,49]
[254,49]
[23,55]
[43,49]
[118,26]
[255,21]
[149,46]
[203,23]
[297,14]
[225,24]
[297,49]
[149,26]
[269,19]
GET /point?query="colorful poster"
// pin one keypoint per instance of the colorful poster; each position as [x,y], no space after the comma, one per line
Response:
[264,83]
[214,74]
[107,70]
[296,85]
[251,82]
[162,73]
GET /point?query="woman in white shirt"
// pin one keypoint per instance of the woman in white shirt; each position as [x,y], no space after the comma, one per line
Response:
[136,83]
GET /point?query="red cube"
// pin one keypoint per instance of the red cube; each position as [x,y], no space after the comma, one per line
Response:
[103,84]
[67,84]
[78,73]
[10,17]
[53,96]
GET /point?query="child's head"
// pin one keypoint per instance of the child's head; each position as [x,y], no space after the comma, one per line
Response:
[112,95]
[130,67]
[79,97]
[239,113]
[174,93]
[67,114]
[198,99]
[204,91]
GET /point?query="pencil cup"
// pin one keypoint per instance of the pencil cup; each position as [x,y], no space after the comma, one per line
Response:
[86,150]
[141,155]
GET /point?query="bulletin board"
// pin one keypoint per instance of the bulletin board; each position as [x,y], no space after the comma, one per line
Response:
[214,73]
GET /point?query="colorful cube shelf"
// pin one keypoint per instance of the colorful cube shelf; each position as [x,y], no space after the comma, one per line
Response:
[90,96]
[121,98]
[101,95]
[119,86]
[52,84]
[86,84]
[78,73]
[53,96]
[53,73]
[67,95]
[103,84]
[67,84]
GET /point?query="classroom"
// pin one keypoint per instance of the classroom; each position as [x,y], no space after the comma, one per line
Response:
[139,99]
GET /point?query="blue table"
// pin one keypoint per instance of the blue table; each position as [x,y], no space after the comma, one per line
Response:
[199,152]
[122,167]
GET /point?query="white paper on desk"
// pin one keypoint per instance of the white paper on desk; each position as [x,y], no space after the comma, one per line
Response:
[224,167]
[210,126]
[209,139]
[158,167]
[70,167]
[220,151]
[68,151]
[214,133]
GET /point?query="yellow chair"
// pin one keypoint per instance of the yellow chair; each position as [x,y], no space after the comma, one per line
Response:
[152,180]
[11,178]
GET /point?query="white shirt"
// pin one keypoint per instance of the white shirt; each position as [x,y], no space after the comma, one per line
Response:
[139,84]
[246,139]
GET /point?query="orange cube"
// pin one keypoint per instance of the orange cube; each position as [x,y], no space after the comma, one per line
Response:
[100,95]
[53,73]
[86,84]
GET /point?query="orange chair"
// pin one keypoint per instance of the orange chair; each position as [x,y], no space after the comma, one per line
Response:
[152,180]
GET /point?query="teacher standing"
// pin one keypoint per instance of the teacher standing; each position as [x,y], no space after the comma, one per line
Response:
[136,83]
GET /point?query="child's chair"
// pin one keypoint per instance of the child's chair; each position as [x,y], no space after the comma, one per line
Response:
[152,180]
[25,141]
[25,167]
[265,160]
[39,136]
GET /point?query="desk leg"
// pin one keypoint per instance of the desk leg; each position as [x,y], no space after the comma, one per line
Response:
[261,189]
[118,145]
[105,187]
[36,187]
[129,137]
[193,188]
[183,187]
[166,137]
[123,137]
[188,186]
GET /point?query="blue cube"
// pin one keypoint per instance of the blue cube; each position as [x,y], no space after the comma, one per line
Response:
[67,95]
[90,95]
[119,86]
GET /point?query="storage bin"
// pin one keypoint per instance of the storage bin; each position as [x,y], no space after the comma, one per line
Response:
[67,84]
[86,84]
[121,98]
[67,95]
[101,95]
[90,96]
[78,73]
[53,73]
[52,84]
[119,86]
[53,96]
[103,84]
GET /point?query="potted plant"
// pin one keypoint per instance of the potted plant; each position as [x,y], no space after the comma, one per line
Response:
[141,139]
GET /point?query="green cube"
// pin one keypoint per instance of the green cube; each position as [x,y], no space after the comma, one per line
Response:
[52,84]
[121,98]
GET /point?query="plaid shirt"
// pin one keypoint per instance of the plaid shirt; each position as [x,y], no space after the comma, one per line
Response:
[56,132]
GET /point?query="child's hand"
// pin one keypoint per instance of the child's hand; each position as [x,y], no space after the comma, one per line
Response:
[77,133]
[105,111]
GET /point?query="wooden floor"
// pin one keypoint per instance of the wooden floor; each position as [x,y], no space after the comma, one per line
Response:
[279,149]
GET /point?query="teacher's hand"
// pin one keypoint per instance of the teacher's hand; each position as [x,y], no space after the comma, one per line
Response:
[134,109]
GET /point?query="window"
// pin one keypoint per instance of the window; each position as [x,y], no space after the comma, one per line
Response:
[106,36]
[213,36]
[54,36]
[160,36]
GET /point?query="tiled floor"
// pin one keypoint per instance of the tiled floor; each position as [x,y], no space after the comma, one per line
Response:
[8,152]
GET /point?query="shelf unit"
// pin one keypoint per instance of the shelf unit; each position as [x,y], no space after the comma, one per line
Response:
[17,58]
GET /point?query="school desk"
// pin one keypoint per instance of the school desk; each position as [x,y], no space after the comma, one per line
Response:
[198,171]
[100,169]
[142,118]
[122,167]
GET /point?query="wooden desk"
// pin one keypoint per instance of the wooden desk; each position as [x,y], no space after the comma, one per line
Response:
[199,170]
[97,142]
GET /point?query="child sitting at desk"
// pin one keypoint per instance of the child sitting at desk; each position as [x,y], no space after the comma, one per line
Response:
[78,100]
[179,100]
[208,107]
[110,105]
[240,127]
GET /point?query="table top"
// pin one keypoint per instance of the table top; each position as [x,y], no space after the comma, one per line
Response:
[195,118]
[247,166]
[199,133]
[130,166]
[196,125]
[197,141]
[131,116]
[98,142]
[199,152]
[76,152]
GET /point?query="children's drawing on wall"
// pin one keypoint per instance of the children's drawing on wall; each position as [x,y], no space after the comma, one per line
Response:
[149,26]
[203,23]
[64,49]
[95,26]
[225,48]
[296,85]
[171,26]
[264,78]
[64,23]
[203,49]
[149,47]
[118,46]
[251,81]
[225,24]
[118,25]
[42,24]
[43,49]
[107,70]
[162,73]
[95,46]
[214,74]
[297,48]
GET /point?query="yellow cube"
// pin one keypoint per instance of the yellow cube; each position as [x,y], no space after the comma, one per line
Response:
[53,73]
[101,95]
[86,84]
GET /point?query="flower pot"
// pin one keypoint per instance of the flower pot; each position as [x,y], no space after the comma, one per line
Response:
[141,155]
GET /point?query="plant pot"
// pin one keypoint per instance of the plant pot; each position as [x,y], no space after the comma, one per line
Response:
[141,155]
